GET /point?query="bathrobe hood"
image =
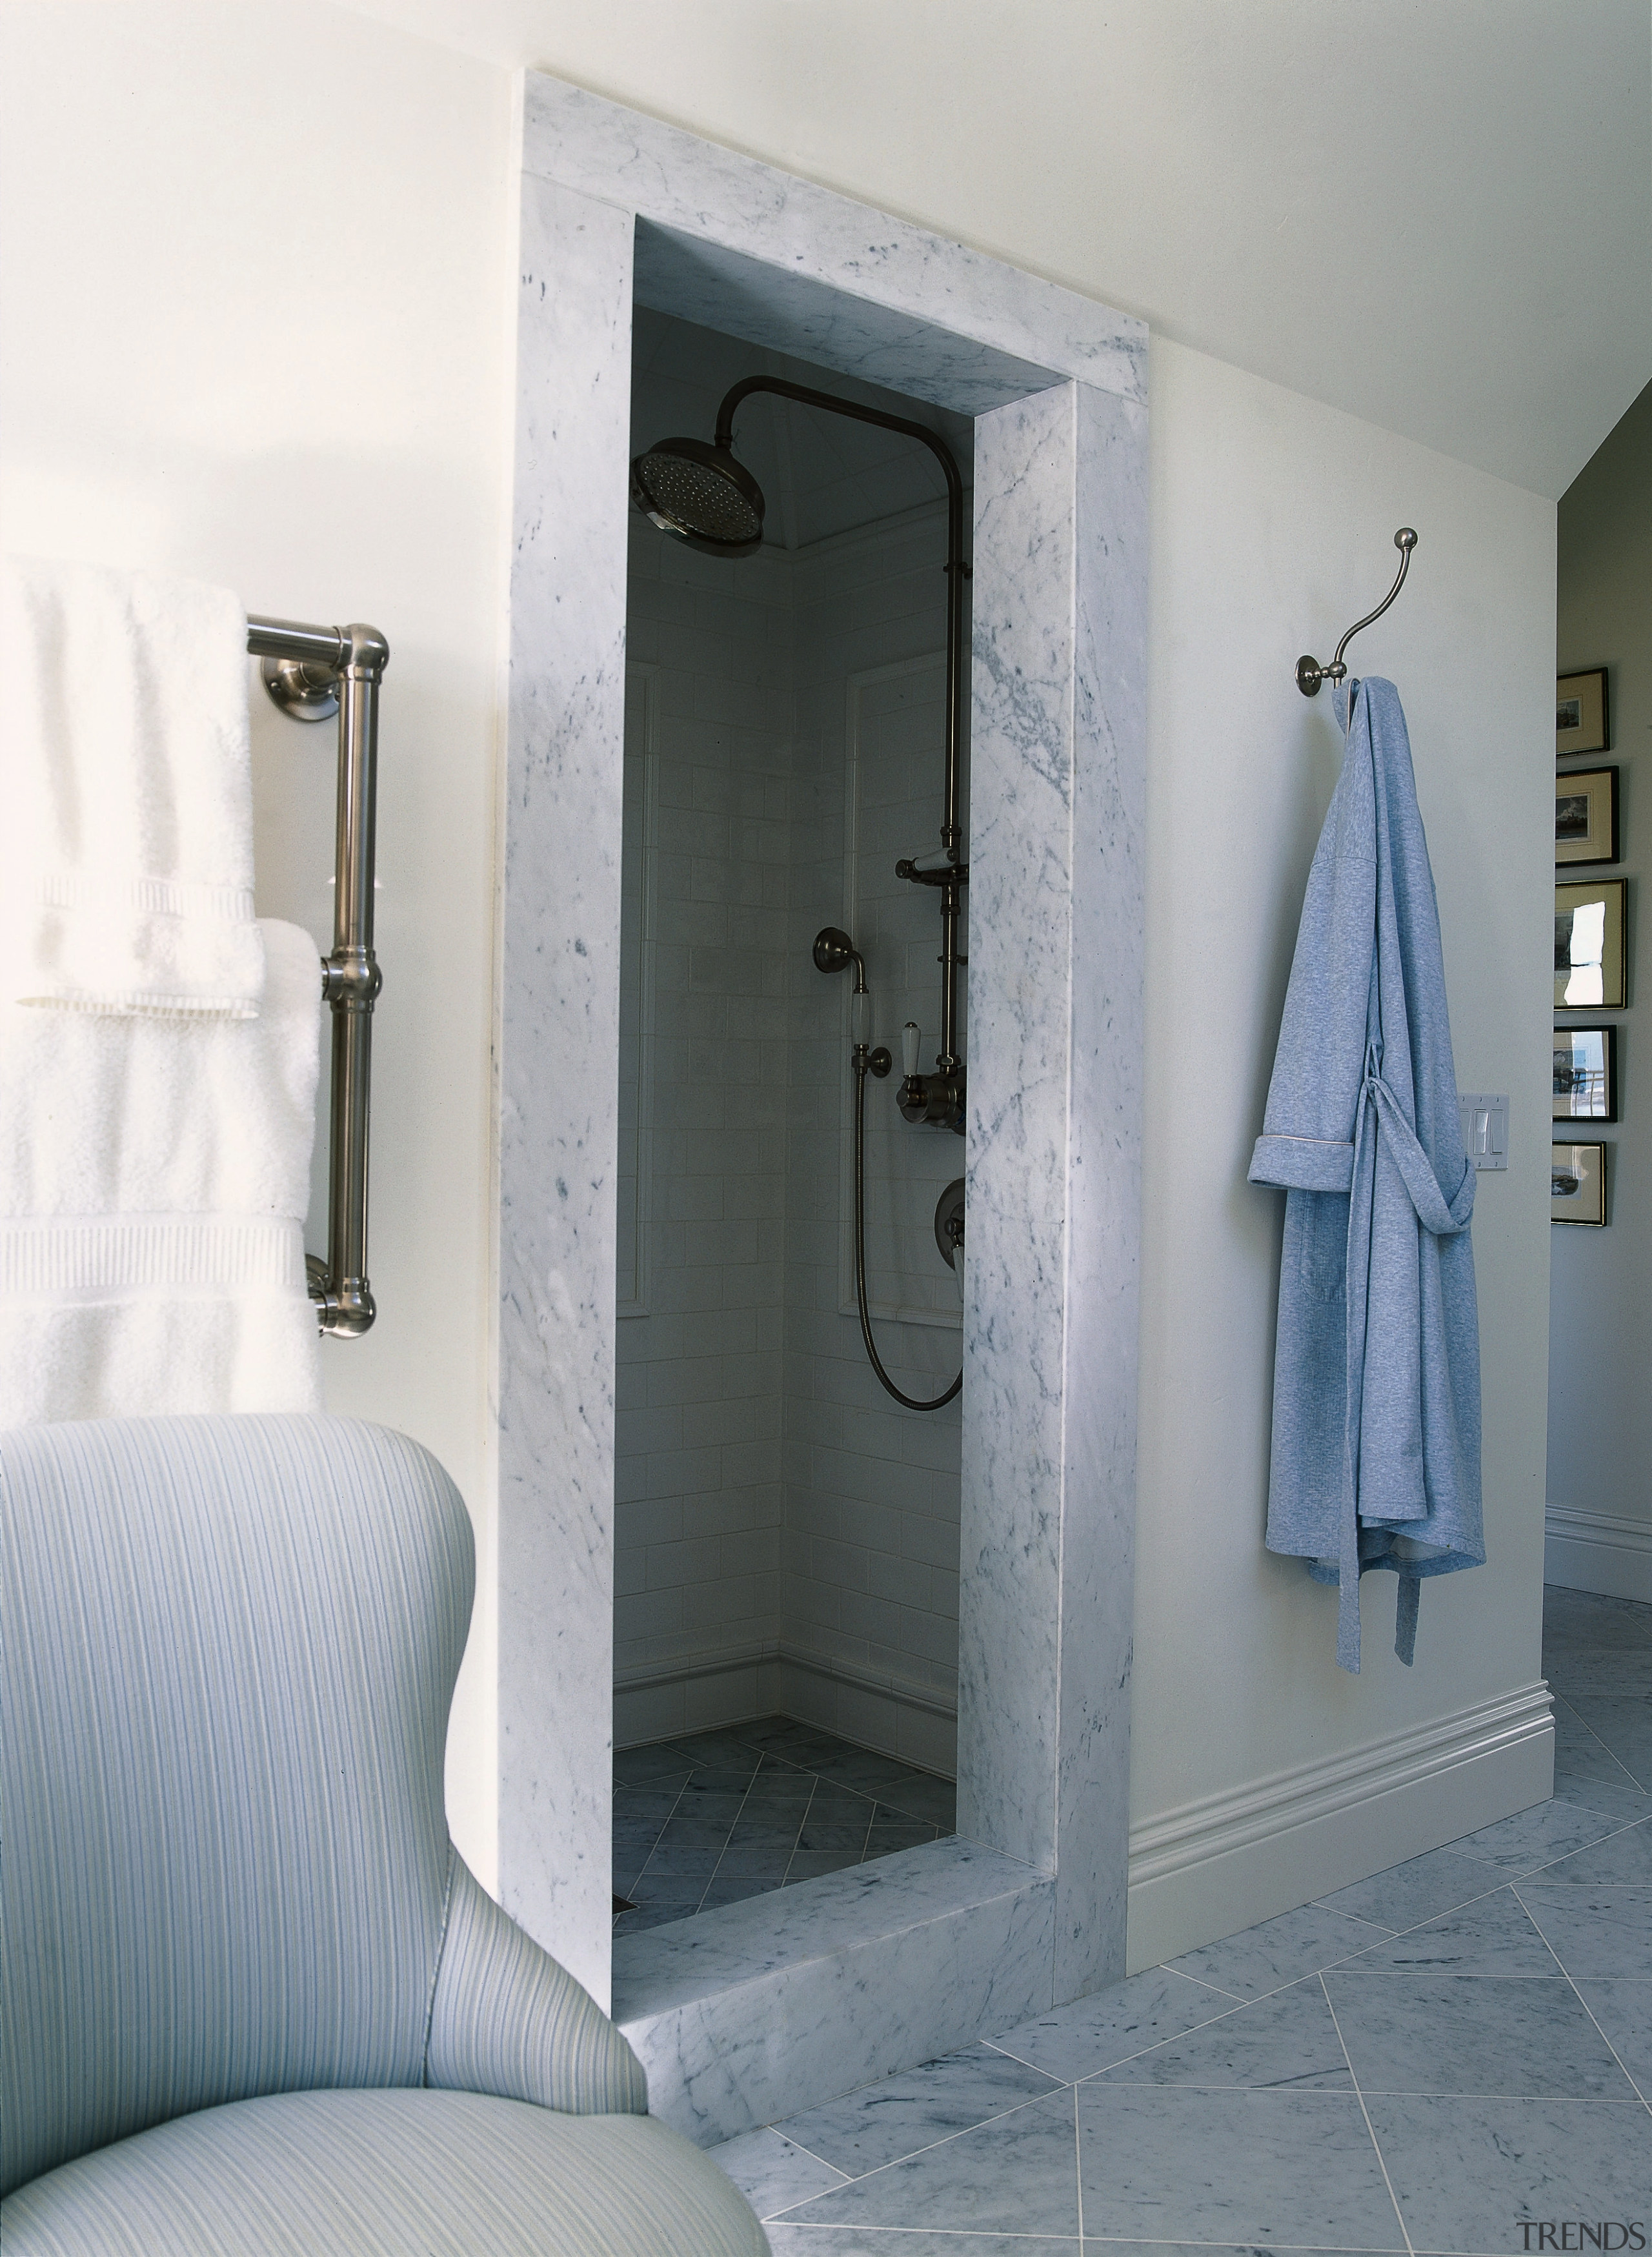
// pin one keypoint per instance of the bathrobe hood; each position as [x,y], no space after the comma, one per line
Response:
[1376,1440]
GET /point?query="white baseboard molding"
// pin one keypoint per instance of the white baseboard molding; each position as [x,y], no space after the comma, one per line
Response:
[876,1710]
[1598,1552]
[1221,1864]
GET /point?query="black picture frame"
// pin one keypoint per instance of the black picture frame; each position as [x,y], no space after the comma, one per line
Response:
[1577,1185]
[1581,700]
[1587,833]
[1585,1075]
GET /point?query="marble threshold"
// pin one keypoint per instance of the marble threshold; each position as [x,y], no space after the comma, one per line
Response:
[755,2010]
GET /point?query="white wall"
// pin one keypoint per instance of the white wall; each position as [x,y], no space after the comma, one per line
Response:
[1272,519]
[1599,1407]
[257,264]
[256,335]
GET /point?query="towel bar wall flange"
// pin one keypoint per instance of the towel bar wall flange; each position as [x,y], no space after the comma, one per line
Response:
[312,673]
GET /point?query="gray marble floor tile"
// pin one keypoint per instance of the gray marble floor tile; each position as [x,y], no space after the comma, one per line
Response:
[1600,1931]
[1615,1670]
[1492,1935]
[735,1890]
[1534,1838]
[875,2241]
[1284,2042]
[833,1837]
[1618,1797]
[1621,1722]
[1508,2035]
[651,1915]
[1465,2171]
[1588,1622]
[755,1860]
[1248,2167]
[771,2173]
[1418,1890]
[1016,2175]
[883,1840]
[652,1766]
[1581,1751]
[1278,1951]
[1093,2034]
[810,1865]
[657,1800]
[935,1800]
[1624,2012]
[693,1833]
[679,1861]
[1096,2246]
[881,2123]
[1623,1859]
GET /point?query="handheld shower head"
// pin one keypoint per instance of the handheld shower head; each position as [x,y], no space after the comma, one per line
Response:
[697,491]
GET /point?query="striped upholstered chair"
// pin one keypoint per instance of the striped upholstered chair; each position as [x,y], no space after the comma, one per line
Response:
[253,2001]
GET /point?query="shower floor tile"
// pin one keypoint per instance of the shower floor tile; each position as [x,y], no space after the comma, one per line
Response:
[717,1816]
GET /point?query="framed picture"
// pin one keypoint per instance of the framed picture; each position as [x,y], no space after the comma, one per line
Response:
[1586,815]
[1580,713]
[1586,1073]
[1589,958]
[1578,1183]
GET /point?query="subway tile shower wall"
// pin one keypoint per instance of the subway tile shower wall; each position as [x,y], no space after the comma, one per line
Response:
[787,1535]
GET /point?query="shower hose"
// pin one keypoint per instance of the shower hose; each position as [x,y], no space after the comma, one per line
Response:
[911,1403]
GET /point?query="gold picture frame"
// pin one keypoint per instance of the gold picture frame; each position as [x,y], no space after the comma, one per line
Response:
[1581,713]
[1577,1185]
[1591,959]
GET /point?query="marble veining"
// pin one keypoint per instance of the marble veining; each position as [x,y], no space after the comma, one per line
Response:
[749,2013]
[715,195]
[558,1036]
[1058,383]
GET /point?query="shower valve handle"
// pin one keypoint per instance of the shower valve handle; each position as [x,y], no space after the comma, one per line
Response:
[911,1036]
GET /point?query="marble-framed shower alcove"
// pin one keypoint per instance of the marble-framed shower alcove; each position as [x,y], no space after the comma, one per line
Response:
[883,1964]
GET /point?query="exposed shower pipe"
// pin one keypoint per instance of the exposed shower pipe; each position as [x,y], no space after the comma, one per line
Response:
[938,1097]
[703,496]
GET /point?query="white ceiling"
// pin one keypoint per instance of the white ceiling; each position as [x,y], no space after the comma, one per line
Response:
[1435,214]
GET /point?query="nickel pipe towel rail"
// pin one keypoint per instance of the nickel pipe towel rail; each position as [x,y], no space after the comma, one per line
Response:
[313,672]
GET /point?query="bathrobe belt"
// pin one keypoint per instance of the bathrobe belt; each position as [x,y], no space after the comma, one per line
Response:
[1444,1218]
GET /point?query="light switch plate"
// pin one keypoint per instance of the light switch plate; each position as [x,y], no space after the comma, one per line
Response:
[1484,1128]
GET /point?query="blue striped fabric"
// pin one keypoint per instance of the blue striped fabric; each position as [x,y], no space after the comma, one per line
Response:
[387,2174]
[229,1649]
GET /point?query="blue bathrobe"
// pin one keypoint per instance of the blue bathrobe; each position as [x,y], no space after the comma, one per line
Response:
[1376,1455]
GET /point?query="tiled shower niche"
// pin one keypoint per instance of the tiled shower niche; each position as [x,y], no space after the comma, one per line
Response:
[787,1535]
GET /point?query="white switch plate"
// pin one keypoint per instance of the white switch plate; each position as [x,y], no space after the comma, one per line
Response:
[1484,1128]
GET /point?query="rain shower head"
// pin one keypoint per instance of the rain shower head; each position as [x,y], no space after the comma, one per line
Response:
[698,490]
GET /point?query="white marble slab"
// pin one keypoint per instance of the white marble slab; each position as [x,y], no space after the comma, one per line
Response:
[558,1097]
[884,271]
[1048,1408]
[1058,789]
[760,2009]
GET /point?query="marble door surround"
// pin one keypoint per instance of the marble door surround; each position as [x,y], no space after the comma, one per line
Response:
[1026,1908]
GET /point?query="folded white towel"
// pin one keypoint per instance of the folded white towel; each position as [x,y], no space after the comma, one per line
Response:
[154,1176]
[125,775]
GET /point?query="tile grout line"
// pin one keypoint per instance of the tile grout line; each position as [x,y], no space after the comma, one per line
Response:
[1078,2171]
[1371,2129]
[1646,2097]
[859,2178]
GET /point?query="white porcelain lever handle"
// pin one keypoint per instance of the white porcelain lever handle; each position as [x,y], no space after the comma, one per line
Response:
[911,1036]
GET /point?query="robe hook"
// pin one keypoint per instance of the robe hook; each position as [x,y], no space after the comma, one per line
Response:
[1310,673]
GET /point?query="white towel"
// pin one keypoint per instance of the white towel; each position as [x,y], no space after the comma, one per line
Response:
[126,784]
[154,1176]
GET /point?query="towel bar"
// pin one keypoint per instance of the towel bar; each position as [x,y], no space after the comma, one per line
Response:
[313,672]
